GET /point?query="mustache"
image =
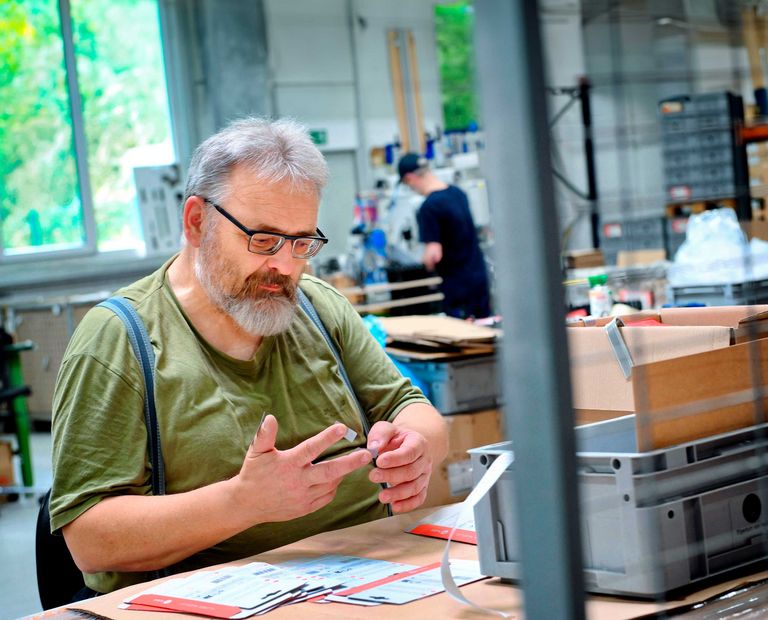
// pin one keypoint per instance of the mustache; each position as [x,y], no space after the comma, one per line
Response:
[251,290]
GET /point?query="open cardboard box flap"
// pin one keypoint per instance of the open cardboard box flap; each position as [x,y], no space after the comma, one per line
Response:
[597,378]
[735,317]
[687,398]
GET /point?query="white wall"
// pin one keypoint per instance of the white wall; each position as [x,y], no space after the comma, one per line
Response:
[373,19]
[561,34]
[313,54]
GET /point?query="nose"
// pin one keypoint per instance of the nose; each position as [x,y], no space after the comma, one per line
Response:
[282,261]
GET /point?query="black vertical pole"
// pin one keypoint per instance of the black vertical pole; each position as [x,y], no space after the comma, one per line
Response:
[589,156]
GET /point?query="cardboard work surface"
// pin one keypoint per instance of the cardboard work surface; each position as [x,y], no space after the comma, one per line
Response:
[386,540]
[439,329]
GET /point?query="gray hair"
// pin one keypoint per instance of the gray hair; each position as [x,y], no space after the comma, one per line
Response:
[274,150]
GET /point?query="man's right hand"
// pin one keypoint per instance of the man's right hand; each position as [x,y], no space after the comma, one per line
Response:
[279,485]
[433,254]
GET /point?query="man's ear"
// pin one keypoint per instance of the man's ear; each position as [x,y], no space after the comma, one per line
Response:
[194,216]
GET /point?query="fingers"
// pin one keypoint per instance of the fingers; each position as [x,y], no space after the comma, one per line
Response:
[399,475]
[337,468]
[403,449]
[405,465]
[309,449]
[380,436]
[406,496]
[411,503]
[264,440]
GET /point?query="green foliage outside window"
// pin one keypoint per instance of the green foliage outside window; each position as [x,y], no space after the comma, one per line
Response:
[454,26]
[125,113]
[39,202]
[125,108]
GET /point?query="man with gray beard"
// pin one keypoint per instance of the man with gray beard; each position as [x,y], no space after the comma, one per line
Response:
[248,393]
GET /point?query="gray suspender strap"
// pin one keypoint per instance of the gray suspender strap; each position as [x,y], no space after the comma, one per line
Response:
[309,309]
[142,347]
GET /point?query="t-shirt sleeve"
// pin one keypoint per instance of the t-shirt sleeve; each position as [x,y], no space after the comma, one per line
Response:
[429,223]
[98,432]
[380,387]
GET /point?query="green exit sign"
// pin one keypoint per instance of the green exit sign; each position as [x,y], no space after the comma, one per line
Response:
[319,136]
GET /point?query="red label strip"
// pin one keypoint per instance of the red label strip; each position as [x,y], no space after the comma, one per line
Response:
[171,603]
[390,579]
[438,531]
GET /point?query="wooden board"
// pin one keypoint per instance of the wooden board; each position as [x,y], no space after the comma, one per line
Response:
[437,355]
[441,329]
[397,89]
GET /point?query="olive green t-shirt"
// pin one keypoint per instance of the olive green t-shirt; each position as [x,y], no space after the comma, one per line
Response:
[209,405]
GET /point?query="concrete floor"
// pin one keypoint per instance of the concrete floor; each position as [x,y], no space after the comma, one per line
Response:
[18,579]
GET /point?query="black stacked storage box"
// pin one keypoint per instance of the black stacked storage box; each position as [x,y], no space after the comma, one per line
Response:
[644,233]
[704,157]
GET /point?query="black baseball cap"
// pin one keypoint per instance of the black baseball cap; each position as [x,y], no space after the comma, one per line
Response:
[410,162]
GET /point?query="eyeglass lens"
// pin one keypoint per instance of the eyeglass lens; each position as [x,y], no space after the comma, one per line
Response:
[262,243]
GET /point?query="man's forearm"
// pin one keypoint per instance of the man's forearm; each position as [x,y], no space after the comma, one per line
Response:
[426,420]
[134,533]
[139,533]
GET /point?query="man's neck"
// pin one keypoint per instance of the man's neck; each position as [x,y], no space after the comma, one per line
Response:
[433,184]
[218,328]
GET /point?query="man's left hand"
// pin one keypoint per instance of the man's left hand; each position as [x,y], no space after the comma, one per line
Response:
[404,463]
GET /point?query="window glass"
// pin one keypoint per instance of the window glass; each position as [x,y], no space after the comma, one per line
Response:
[454,24]
[125,108]
[40,205]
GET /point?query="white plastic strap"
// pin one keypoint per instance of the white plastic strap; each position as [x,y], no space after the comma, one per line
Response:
[620,350]
[497,468]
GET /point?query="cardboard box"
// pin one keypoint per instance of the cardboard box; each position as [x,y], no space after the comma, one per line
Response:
[696,396]
[452,481]
[756,229]
[578,259]
[601,391]
[630,258]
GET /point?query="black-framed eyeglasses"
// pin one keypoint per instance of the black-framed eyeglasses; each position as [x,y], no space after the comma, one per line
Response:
[269,243]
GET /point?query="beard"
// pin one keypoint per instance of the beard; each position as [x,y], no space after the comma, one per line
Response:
[256,311]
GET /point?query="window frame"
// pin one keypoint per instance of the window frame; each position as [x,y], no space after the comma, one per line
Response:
[89,247]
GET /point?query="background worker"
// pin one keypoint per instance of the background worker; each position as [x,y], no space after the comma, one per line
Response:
[230,344]
[451,247]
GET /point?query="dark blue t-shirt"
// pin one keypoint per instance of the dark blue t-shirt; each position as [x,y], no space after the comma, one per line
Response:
[444,217]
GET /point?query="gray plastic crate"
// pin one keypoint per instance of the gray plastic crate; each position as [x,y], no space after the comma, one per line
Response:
[458,386]
[651,522]
[676,142]
[716,139]
[679,123]
[710,103]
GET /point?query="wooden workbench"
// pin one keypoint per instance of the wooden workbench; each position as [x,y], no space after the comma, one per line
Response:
[386,540]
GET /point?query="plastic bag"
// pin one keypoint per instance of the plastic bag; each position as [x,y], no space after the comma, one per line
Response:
[716,251]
